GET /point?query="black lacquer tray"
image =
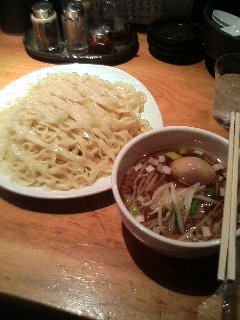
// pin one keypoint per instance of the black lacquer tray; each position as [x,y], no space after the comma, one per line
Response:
[121,54]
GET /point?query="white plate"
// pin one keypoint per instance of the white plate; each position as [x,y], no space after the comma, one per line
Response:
[20,87]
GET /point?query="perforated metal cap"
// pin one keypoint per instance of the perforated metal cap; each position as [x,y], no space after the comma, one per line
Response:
[102,33]
[42,10]
[74,10]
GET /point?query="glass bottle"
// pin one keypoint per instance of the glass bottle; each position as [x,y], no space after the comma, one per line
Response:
[100,40]
[75,28]
[45,27]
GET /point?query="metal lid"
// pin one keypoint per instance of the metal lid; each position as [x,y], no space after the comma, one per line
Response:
[102,33]
[74,10]
[102,30]
[42,10]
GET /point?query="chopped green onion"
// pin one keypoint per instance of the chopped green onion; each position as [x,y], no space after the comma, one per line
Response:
[182,151]
[173,155]
[194,206]
[211,193]
[198,153]
[238,217]
[133,209]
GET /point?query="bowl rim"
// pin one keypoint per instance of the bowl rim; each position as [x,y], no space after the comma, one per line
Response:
[126,213]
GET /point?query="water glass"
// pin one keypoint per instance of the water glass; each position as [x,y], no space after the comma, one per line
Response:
[227,87]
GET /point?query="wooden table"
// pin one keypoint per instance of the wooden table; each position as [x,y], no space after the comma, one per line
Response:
[76,256]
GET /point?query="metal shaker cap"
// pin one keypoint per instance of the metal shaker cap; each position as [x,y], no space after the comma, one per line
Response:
[102,33]
[74,10]
[42,10]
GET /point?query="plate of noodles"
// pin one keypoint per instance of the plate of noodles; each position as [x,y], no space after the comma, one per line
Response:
[62,127]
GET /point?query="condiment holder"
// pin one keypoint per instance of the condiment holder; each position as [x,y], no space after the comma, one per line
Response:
[98,42]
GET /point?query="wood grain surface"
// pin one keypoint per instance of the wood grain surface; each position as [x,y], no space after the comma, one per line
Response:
[74,258]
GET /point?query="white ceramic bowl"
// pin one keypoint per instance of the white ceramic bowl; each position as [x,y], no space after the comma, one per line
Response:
[156,140]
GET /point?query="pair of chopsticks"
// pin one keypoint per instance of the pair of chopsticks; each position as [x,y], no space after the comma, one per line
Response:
[227,255]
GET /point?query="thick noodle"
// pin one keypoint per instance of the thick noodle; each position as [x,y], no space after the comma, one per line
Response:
[68,130]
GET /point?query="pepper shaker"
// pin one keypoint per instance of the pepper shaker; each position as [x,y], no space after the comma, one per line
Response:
[75,28]
[45,27]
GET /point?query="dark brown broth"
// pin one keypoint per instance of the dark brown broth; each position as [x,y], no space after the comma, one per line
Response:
[203,207]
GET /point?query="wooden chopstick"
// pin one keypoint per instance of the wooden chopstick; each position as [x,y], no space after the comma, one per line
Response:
[231,266]
[227,255]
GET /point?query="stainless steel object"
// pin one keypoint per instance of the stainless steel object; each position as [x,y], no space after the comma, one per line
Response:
[75,27]
[45,27]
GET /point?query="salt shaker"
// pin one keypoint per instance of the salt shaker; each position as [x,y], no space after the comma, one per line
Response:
[45,27]
[75,28]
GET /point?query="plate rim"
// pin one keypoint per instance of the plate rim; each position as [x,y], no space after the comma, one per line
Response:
[40,192]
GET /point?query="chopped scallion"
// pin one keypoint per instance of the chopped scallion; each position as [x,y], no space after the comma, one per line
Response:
[133,209]
[198,153]
[173,155]
[182,151]
[211,193]
[194,206]
[238,217]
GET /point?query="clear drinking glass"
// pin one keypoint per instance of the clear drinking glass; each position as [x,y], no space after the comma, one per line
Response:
[227,87]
